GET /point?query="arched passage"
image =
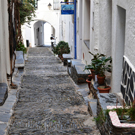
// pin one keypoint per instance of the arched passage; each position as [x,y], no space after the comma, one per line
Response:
[42,33]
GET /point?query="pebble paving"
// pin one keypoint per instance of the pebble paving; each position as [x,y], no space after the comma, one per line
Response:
[48,103]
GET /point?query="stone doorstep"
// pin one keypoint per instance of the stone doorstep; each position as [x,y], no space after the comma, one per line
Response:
[3,93]
[107,99]
[77,71]
[92,107]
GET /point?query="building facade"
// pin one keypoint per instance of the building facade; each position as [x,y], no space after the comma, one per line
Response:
[103,26]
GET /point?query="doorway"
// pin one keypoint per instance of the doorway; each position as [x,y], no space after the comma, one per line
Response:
[119,47]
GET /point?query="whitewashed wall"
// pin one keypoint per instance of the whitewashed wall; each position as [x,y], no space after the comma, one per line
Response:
[44,14]
[26,33]
[67,31]
[123,41]
[39,33]
[4,42]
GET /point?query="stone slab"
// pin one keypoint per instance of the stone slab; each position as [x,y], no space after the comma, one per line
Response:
[4,117]
[2,128]
[92,106]
[77,71]
[83,92]
[80,70]
[3,93]
[76,62]
[19,54]
[19,62]
[107,99]
[65,58]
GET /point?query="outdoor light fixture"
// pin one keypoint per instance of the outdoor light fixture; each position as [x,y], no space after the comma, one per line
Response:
[49,5]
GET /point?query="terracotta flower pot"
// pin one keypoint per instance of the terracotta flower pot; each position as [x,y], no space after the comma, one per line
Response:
[93,74]
[90,77]
[89,82]
[100,79]
[104,90]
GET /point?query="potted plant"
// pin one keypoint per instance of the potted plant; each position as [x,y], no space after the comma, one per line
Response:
[101,65]
[92,67]
[61,48]
[119,119]
[89,80]
[104,88]
[122,117]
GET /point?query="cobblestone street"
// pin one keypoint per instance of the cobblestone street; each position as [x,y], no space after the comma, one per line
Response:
[48,103]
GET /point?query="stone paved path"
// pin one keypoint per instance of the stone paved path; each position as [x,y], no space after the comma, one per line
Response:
[48,103]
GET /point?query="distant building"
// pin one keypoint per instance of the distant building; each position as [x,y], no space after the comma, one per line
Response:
[48,11]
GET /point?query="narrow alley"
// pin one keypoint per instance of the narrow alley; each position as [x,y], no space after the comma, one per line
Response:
[48,103]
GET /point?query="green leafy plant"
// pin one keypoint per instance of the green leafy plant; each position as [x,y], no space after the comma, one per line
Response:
[102,64]
[95,58]
[61,48]
[21,47]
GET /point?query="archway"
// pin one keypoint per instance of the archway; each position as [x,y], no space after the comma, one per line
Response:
[42,33]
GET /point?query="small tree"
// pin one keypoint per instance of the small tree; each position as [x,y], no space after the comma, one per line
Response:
[27,11]
[61,48]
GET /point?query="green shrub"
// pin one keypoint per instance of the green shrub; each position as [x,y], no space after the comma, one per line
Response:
[21,47]
[61,48]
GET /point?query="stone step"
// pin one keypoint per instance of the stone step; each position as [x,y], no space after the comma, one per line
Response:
[92,107]
[107,99]
[77,71]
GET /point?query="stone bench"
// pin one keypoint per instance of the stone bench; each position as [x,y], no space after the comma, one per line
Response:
[65,58]
[3,93]
[19,62]
[76,71]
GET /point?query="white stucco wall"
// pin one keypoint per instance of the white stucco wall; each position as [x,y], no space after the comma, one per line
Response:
[44,14]
[4,42]
[67,31]
[26,33]
[39,33]
[127,44]
[48,30]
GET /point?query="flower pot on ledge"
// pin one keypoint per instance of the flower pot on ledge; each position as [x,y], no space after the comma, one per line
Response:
[104,89]
[101,79]
[120,128]
[89,80]
[93,73]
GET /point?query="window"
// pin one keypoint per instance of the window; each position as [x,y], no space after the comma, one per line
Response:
[56,4]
